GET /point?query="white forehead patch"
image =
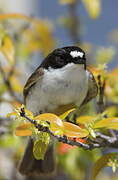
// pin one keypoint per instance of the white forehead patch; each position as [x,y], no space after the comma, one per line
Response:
[75,54]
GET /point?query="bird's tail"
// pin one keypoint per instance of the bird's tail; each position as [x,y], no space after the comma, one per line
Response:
[30,166]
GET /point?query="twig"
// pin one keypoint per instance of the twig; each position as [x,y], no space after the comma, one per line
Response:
[59,138]
[107,141]
[6,100]
[107,138]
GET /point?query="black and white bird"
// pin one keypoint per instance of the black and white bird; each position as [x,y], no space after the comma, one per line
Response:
[60,83]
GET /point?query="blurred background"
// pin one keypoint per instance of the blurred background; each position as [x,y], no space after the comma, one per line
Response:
[29,30]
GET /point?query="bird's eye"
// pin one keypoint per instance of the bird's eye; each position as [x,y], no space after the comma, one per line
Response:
[60,61]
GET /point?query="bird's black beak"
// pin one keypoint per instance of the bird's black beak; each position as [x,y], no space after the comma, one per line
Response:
[81,61]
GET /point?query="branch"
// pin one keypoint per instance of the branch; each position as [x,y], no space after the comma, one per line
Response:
[104,142]
[8,84]
[107,141]
[74,18]
[101,95]
[4,126]
[3,130]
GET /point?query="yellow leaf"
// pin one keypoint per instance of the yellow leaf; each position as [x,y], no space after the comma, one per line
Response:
[51,118]
[64,115]
[15,103]
[24,126]
[96,71]
[110,123]
[93,7]
[11,114]
[63,2]
[72,130]
[16,85]
[111,111]
[7,48]
[105,55]
[114,72]
[43,31]
[88,47]
[24,130]
[39,37]
[14,15]
[85,119]
[111,88]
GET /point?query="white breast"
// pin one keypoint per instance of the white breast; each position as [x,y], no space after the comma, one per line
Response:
[59,87]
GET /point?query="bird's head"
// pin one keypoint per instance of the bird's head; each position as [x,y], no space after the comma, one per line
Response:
[62,56]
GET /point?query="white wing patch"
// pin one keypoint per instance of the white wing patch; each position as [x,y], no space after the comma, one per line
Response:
[75,54]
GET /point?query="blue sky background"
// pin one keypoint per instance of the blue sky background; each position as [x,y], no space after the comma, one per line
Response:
[94,31]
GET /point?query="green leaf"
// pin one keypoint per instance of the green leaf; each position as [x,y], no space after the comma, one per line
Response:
[113,162]
[3,89]
[92,132]
[102,162]
[7,141]
[39,149]
[111,111]
[41,144]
